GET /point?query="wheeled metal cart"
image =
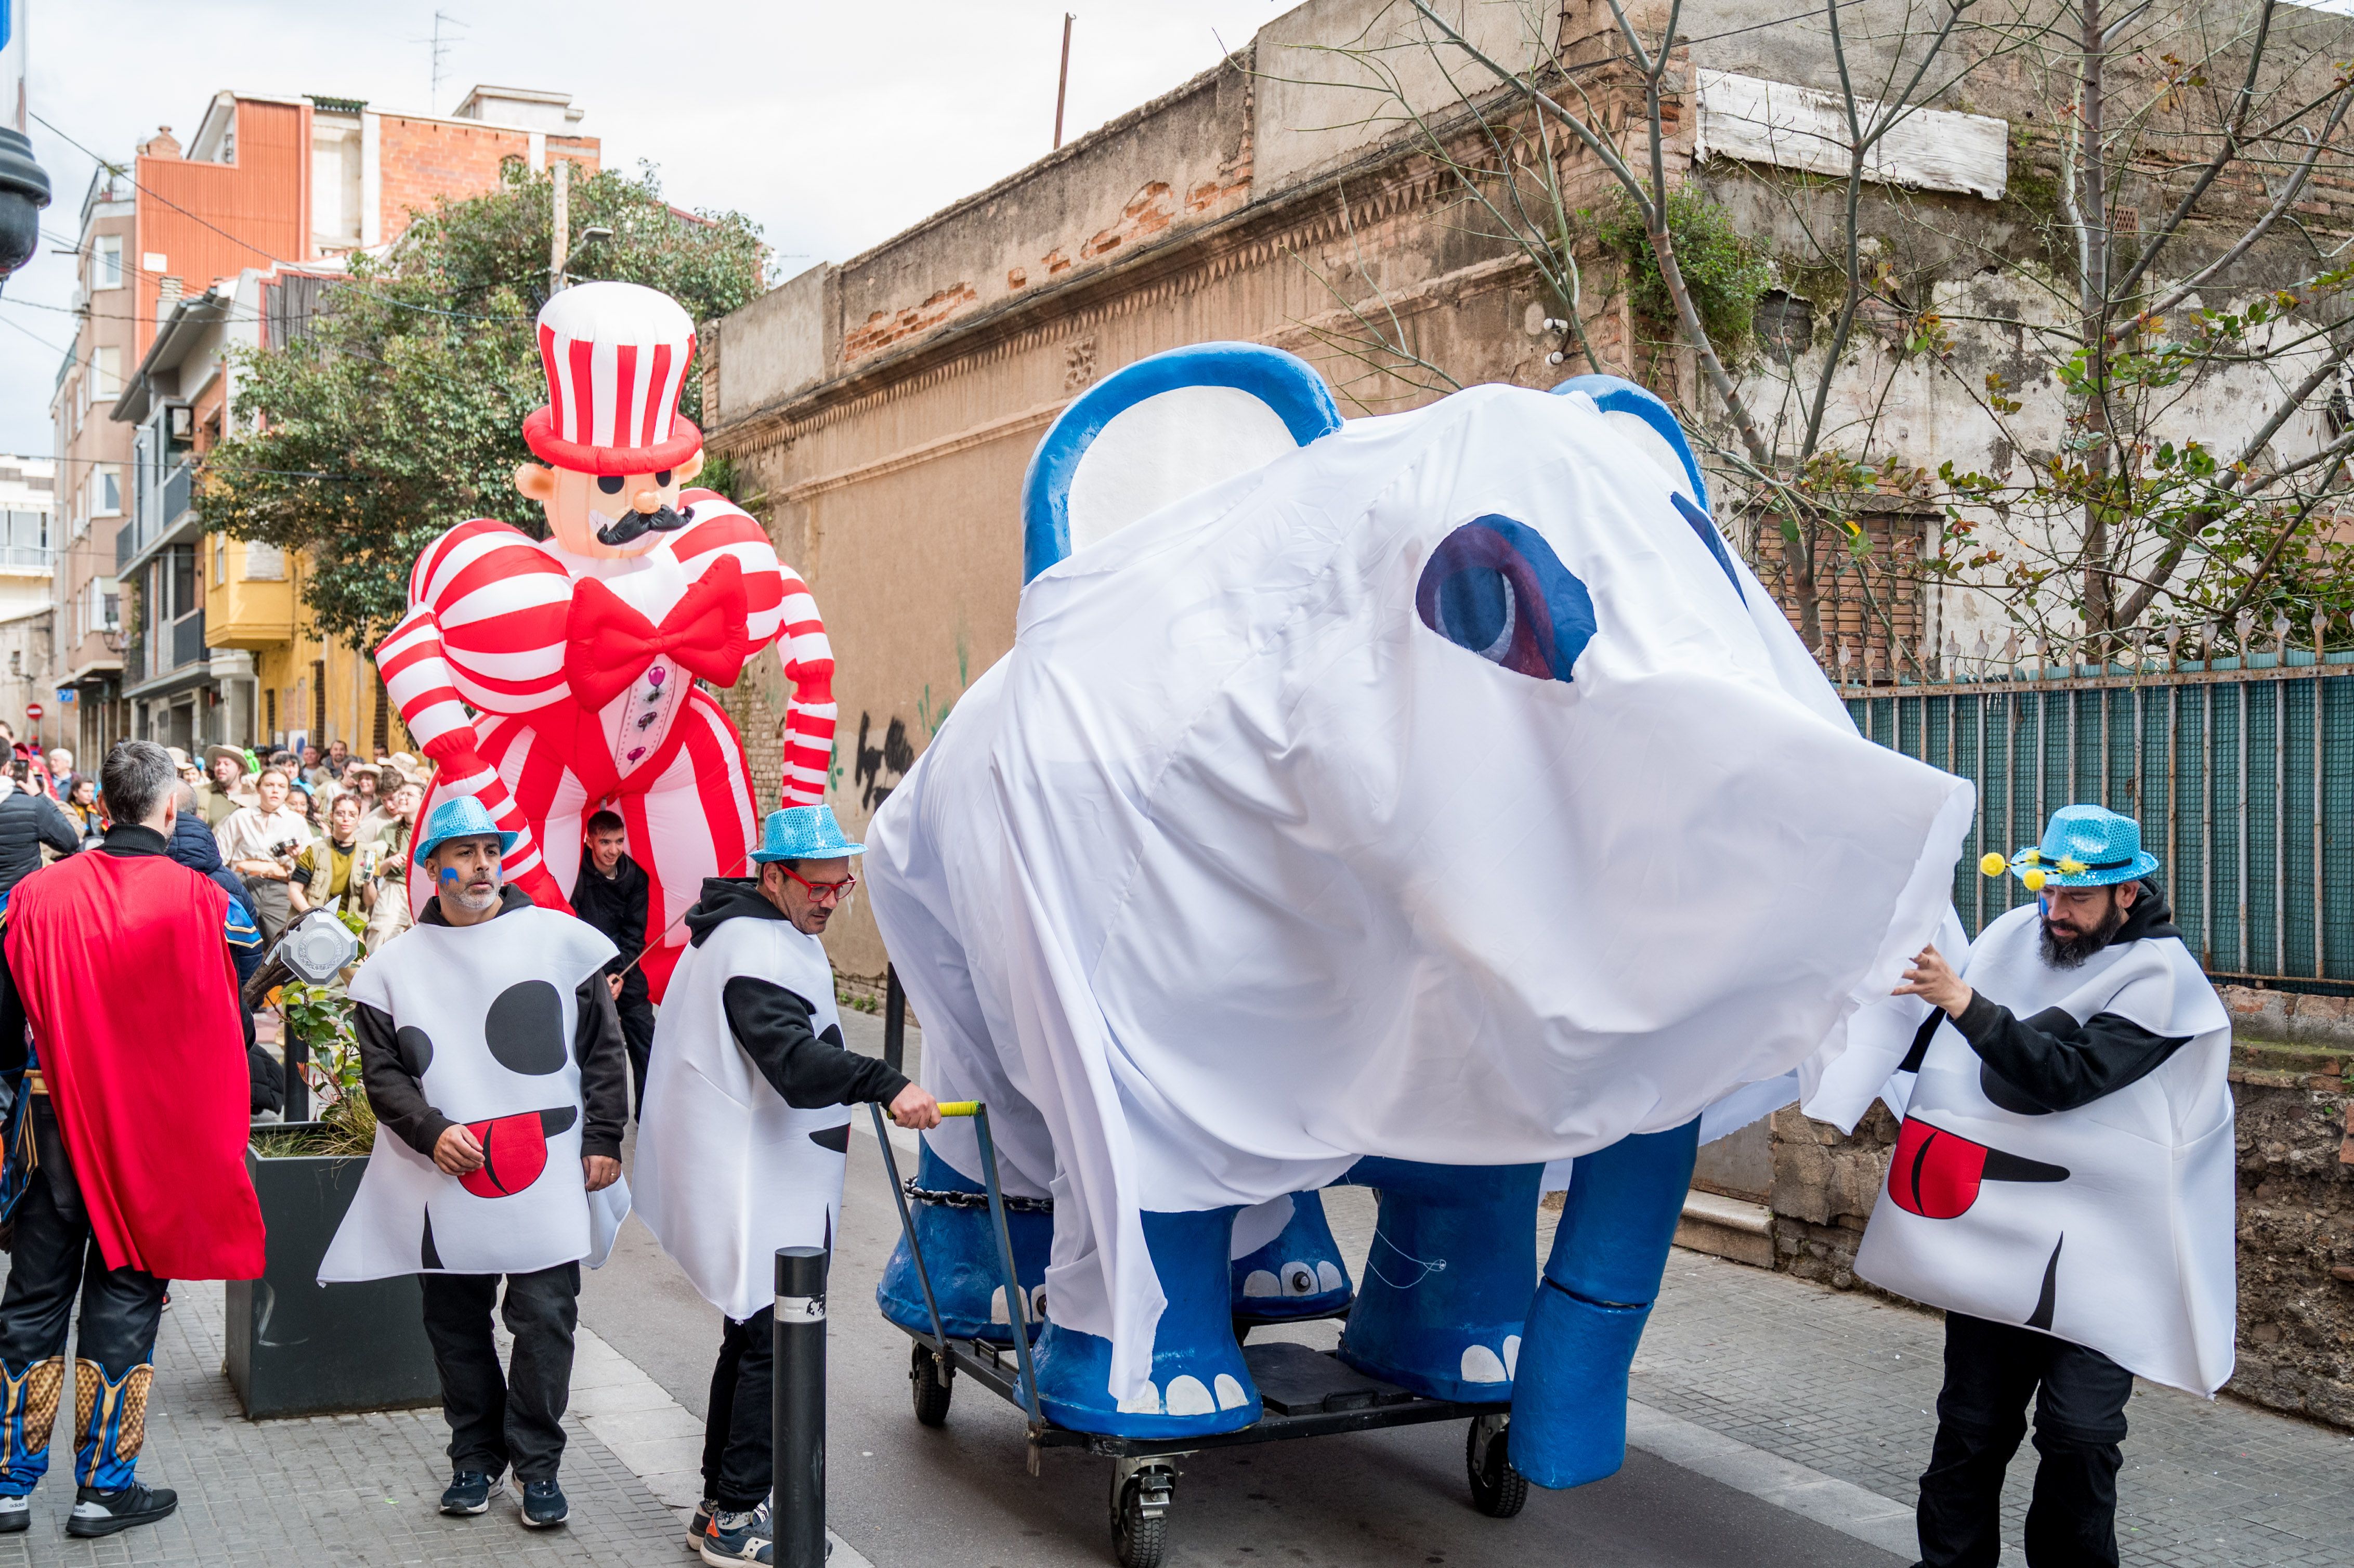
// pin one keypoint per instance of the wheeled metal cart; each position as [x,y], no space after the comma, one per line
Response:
[1304,1391]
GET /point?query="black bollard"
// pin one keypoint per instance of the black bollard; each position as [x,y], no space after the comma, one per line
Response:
[800,1411]
[297,1052]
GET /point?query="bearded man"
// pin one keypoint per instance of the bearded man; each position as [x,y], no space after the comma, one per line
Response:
[2063,1186]
[493,1063]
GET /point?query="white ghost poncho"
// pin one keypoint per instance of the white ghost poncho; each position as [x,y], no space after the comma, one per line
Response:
[2109,1225]
[728,1172]
[485,1016]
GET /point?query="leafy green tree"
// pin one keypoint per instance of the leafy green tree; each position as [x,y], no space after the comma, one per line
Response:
[400,411]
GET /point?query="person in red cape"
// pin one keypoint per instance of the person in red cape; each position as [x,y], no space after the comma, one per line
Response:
[126,1162]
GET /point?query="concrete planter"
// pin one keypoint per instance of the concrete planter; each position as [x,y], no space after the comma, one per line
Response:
[299,1347]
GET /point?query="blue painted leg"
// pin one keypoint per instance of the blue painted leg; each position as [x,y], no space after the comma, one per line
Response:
[1569,1406]
[960,1252]
[1447,1283]
[1300,1274]
[1200,1384]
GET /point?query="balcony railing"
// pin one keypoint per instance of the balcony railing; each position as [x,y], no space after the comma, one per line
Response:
[188,639]
[177,487]
[27,557]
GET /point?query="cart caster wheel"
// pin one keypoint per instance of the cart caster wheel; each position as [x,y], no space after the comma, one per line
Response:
[1497,1490]
[931,1388]
[1140,1515]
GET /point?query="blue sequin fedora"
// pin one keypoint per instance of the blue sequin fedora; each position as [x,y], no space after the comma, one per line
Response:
[2083,846]
[803,833]
[459,817]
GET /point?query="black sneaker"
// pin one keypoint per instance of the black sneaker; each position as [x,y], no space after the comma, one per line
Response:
[16,1514]
[470,1492]
[694,1527]
[544,1506]
[733,1539]
[102,1513]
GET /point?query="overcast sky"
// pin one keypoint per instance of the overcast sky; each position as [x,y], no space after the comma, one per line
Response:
[833,126]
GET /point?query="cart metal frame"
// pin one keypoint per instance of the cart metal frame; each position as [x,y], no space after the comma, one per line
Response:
[1144,1474]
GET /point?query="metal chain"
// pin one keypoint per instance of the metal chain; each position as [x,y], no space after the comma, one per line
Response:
[1013,1205]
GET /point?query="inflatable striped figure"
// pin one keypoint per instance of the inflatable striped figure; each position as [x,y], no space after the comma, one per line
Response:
[554,678]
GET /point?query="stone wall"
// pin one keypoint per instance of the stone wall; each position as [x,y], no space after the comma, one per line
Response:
[2295,1199]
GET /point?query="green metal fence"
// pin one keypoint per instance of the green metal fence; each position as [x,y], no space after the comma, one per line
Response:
[2242,778]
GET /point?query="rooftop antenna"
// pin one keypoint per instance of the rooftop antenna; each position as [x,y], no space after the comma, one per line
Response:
[442,48]
[1062,82]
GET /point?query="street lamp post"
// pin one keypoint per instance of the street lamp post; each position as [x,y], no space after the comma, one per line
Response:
[24,187]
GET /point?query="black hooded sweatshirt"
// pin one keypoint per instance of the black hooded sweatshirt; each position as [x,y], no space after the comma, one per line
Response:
[2050,1061]
[771,1025]
[399,1097]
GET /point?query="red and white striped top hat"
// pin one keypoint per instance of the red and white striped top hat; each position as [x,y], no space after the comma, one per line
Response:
[616,357]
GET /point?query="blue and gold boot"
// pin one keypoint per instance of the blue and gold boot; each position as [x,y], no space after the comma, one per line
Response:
[110,1428]
[29,1411]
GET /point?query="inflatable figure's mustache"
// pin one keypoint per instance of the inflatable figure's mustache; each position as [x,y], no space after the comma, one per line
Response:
[633,523]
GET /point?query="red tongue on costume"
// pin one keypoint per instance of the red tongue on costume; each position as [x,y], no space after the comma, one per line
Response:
[514,1151]
[1935,1174]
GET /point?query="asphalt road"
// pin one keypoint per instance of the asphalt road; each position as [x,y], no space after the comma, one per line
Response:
[960,1497]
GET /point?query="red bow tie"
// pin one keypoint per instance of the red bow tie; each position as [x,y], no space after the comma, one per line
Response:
[608,645]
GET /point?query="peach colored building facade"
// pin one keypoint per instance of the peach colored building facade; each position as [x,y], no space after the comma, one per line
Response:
[163,632]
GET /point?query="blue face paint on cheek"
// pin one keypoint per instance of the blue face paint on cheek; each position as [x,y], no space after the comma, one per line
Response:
[449,877]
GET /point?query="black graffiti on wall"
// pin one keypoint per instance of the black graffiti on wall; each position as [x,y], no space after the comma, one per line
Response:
[878,769]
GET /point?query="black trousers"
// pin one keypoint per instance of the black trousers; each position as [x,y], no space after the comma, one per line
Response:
[1991,1371]
[739,1433]
[515,1418]
[56,1257]
[637,1034]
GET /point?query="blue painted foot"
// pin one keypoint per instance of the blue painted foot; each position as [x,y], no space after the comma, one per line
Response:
[1447,1280]
[1297,1274]
[961,1250]
[1569,1407]
[1200,1384]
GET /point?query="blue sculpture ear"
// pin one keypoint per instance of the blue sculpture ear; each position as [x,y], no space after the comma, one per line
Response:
[1621,402]
[1641,416]
[1161,429]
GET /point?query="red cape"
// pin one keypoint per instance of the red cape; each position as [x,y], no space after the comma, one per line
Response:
[132,998]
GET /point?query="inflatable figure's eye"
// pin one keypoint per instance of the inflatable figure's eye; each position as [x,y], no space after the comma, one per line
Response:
[1496,587]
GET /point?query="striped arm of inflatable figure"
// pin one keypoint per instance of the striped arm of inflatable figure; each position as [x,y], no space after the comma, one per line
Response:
[426,692]
[810,716]
[780,609]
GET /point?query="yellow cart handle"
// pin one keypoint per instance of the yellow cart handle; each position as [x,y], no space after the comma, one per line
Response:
[958,1107]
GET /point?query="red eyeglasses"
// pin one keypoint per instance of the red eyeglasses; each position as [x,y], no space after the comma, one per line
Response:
[823,891]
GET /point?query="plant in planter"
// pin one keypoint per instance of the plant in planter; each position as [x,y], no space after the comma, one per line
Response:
[297,1347]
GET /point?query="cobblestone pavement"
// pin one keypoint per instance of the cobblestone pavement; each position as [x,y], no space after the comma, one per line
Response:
[1847,1384]
[358,1489]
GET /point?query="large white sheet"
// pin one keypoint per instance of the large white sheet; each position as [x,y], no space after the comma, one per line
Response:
[1233,870]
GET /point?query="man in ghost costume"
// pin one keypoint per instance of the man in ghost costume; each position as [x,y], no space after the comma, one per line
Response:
[494,1063]
[2063,1187]
[745,1130]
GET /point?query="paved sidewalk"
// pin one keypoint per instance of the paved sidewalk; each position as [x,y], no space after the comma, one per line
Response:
[358,1489]
[1847,1385]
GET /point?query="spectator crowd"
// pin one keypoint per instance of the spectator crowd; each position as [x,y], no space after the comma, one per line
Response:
[294,833]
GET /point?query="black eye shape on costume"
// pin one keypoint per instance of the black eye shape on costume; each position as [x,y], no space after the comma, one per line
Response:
[663,479]
[611,483]
[524,1028]
[1495,588]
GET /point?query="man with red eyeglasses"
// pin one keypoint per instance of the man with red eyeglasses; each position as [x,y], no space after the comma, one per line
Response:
[2063,1186]
[744,1132]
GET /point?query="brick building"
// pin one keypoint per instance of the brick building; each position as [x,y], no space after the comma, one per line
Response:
[880,414]
[159,631]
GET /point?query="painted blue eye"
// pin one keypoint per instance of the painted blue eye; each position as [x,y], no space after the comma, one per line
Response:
[1495,587]
[1710,538]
